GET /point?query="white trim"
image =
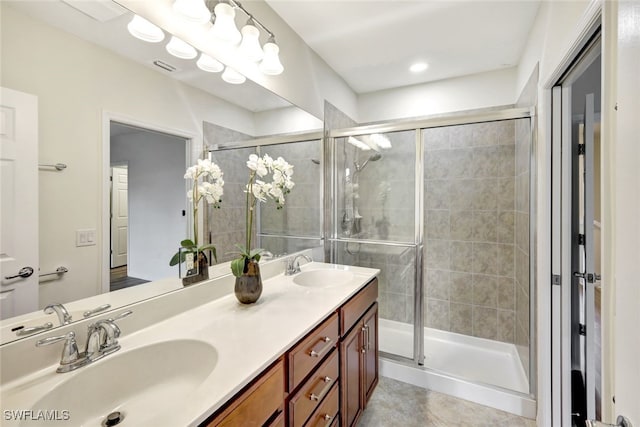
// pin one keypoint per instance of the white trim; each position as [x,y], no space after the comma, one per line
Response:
[581,35]
[547,408]
[105,186]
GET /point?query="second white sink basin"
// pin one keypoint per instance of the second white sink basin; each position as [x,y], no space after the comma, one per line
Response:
[141,384]
[323,278]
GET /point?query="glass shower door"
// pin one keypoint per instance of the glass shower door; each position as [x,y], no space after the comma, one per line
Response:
[374,224]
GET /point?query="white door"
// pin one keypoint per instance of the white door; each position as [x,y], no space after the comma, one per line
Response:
[18,203]
[627,215]
[119,215]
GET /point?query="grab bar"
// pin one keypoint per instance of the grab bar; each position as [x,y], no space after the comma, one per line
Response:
[59,271]
[57,166]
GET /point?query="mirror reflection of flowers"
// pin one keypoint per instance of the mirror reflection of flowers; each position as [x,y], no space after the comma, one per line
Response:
[208,185]
[261,190]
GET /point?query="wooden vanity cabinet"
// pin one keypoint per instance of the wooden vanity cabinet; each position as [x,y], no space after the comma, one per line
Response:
[261,404]
[324,380]
[359,353]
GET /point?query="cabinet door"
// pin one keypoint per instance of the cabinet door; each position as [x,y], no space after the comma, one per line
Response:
[350,374]
[370,336]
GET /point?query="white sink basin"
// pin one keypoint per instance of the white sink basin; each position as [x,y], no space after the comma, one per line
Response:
[142,384]
[323,278]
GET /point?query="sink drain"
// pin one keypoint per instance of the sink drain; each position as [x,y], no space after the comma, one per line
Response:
[113,419]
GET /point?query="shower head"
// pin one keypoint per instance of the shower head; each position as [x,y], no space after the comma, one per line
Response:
[372,158]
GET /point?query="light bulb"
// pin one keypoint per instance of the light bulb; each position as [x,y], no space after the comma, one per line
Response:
[232,76]
[224,27]
[181,49]
[209,64]
[250,45]
[142,29]
[192,10]
[271,62]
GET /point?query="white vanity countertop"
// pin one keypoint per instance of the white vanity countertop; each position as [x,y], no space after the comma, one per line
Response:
[247,339]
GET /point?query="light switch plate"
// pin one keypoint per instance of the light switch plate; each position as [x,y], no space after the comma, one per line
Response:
[86,237]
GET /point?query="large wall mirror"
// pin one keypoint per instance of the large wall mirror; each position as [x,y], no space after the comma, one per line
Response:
[110,105]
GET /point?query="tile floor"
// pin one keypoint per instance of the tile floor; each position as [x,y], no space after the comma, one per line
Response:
[398,404]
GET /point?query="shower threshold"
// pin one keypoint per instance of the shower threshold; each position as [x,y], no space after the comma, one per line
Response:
[476,369]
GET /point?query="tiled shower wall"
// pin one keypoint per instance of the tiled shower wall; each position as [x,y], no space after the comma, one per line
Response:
[470,225]
[226,224]
[385,200]
[301,215]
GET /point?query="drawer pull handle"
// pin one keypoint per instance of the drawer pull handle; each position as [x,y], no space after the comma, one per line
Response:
[323,350]
[328,418]
[318,397]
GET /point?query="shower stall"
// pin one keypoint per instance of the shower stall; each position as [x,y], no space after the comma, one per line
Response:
[441,207]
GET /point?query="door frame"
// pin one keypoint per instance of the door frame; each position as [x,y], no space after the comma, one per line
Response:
[105,230]
[554,397]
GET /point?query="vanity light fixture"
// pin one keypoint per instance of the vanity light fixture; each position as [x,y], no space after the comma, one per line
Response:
[193,10]
[245,44]
[361,145]
[250,45]
[209,64]
[180,49]
[271,64]
[224,24]
[142,29]
[232,76]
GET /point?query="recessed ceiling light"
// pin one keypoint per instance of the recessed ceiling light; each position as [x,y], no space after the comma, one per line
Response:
[418,67]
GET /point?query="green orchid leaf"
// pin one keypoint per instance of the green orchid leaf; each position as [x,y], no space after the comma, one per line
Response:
[175,259]
[256,257]
[187,243]
[256,252]
[237,266]
[211,248]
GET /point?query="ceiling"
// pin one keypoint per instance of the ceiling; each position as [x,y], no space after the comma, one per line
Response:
[371,44]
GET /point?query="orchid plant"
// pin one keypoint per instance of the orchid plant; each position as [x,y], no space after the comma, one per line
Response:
[208,185]
[258,190]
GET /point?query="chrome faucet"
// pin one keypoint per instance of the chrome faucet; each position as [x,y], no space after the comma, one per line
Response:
[293,264]
[102,340]
[63,315]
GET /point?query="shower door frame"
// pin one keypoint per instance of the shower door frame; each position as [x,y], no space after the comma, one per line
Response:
[266,141]
[418,126]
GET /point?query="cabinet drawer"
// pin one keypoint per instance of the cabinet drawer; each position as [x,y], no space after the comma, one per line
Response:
[313,391]
[258,404]
[356,306]
[310,351]
[327,413]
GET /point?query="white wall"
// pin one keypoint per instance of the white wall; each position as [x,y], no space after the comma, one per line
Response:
[76,82]
[489,89]
[156,193]
[285,120]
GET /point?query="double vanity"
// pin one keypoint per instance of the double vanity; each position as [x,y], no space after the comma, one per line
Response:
[304,354]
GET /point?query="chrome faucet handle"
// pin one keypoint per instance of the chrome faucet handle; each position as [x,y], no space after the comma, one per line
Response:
[293,264]
[63,315]
[103,336]
[96,310]
[70,358]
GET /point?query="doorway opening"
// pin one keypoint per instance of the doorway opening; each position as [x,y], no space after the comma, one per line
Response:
[147,205]
[576,236]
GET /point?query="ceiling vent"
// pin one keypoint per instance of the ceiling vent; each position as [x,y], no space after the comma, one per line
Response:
[167,67]
[100,10]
